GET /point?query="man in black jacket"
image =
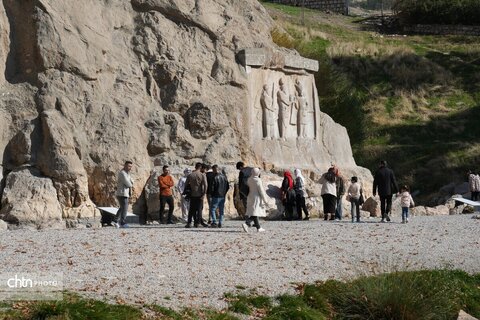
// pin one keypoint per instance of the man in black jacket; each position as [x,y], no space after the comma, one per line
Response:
[219,191]
[387,185]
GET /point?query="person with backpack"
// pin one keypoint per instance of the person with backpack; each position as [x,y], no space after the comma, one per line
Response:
[218,193]
[386,184]
[288,195]
[329,193]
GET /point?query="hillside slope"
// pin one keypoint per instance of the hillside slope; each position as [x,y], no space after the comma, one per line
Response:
[412,100]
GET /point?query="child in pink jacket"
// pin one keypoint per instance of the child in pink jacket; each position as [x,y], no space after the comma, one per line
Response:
[406,202]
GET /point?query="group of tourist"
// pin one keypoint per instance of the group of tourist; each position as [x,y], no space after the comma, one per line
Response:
[212,183]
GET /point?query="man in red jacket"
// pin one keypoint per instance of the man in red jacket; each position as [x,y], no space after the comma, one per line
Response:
[165,182]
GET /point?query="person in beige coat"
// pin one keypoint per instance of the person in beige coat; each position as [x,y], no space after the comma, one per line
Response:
[474,185]
[256,201]
[124,191]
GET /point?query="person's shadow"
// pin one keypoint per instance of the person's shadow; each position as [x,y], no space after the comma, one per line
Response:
[273,191]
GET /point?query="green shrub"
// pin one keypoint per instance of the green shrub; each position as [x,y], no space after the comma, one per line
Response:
[294,307]
[244,304]
[399,295]
[73,307]
[465,12]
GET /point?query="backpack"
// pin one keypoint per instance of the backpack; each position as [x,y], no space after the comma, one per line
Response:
[330,176]
[242,183]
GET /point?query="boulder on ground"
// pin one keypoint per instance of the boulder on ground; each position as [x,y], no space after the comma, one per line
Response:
[373,206]
[419,211]
[30,198]
[441,210]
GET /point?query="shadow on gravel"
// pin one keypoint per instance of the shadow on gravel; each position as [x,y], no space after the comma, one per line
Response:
[213,230]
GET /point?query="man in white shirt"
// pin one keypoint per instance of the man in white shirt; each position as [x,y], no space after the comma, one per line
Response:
[124,191]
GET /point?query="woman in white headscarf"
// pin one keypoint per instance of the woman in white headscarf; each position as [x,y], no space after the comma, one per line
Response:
[300,194]
[185,201]
[256,201]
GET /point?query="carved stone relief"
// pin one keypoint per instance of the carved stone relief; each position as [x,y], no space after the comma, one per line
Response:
[284,106]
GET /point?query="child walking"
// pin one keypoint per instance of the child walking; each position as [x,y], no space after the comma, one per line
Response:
[406,202]
[354,192]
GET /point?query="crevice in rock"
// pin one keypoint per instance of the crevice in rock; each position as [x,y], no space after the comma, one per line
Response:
[173,15]
[24,61]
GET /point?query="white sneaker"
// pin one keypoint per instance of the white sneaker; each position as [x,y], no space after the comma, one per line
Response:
[406,220]
[261,230]
[245,227]
[116,225]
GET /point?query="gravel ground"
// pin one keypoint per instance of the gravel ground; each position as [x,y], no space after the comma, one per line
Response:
[177,267]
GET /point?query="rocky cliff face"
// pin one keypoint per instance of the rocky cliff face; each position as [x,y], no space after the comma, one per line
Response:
[86,85]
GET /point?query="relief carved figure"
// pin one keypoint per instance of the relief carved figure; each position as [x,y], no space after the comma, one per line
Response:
[284,103]
[305,114]
[294,107]
[269,114]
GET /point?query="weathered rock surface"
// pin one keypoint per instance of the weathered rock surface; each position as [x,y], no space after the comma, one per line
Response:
[3,225]
[462,315]
[86,85]
[31,199]
[441,210]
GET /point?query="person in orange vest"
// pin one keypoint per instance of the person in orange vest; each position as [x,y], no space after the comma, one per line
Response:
[165,182]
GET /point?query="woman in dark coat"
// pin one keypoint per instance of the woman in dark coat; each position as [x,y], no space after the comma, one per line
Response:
[288,195]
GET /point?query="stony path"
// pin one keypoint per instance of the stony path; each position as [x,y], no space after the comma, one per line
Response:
[174,266]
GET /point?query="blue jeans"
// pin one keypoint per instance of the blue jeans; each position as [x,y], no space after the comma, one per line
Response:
[404,213]
[355,209]
[220,204]
[338,211]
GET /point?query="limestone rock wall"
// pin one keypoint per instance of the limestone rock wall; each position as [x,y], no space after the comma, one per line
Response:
[86,85]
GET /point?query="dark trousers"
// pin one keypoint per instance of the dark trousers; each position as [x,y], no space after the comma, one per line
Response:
[122,211]
[166,200]
[244,202]
[300,201]
[256,223]
[475,195]
[385,205]
[195,211]
[288,210]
